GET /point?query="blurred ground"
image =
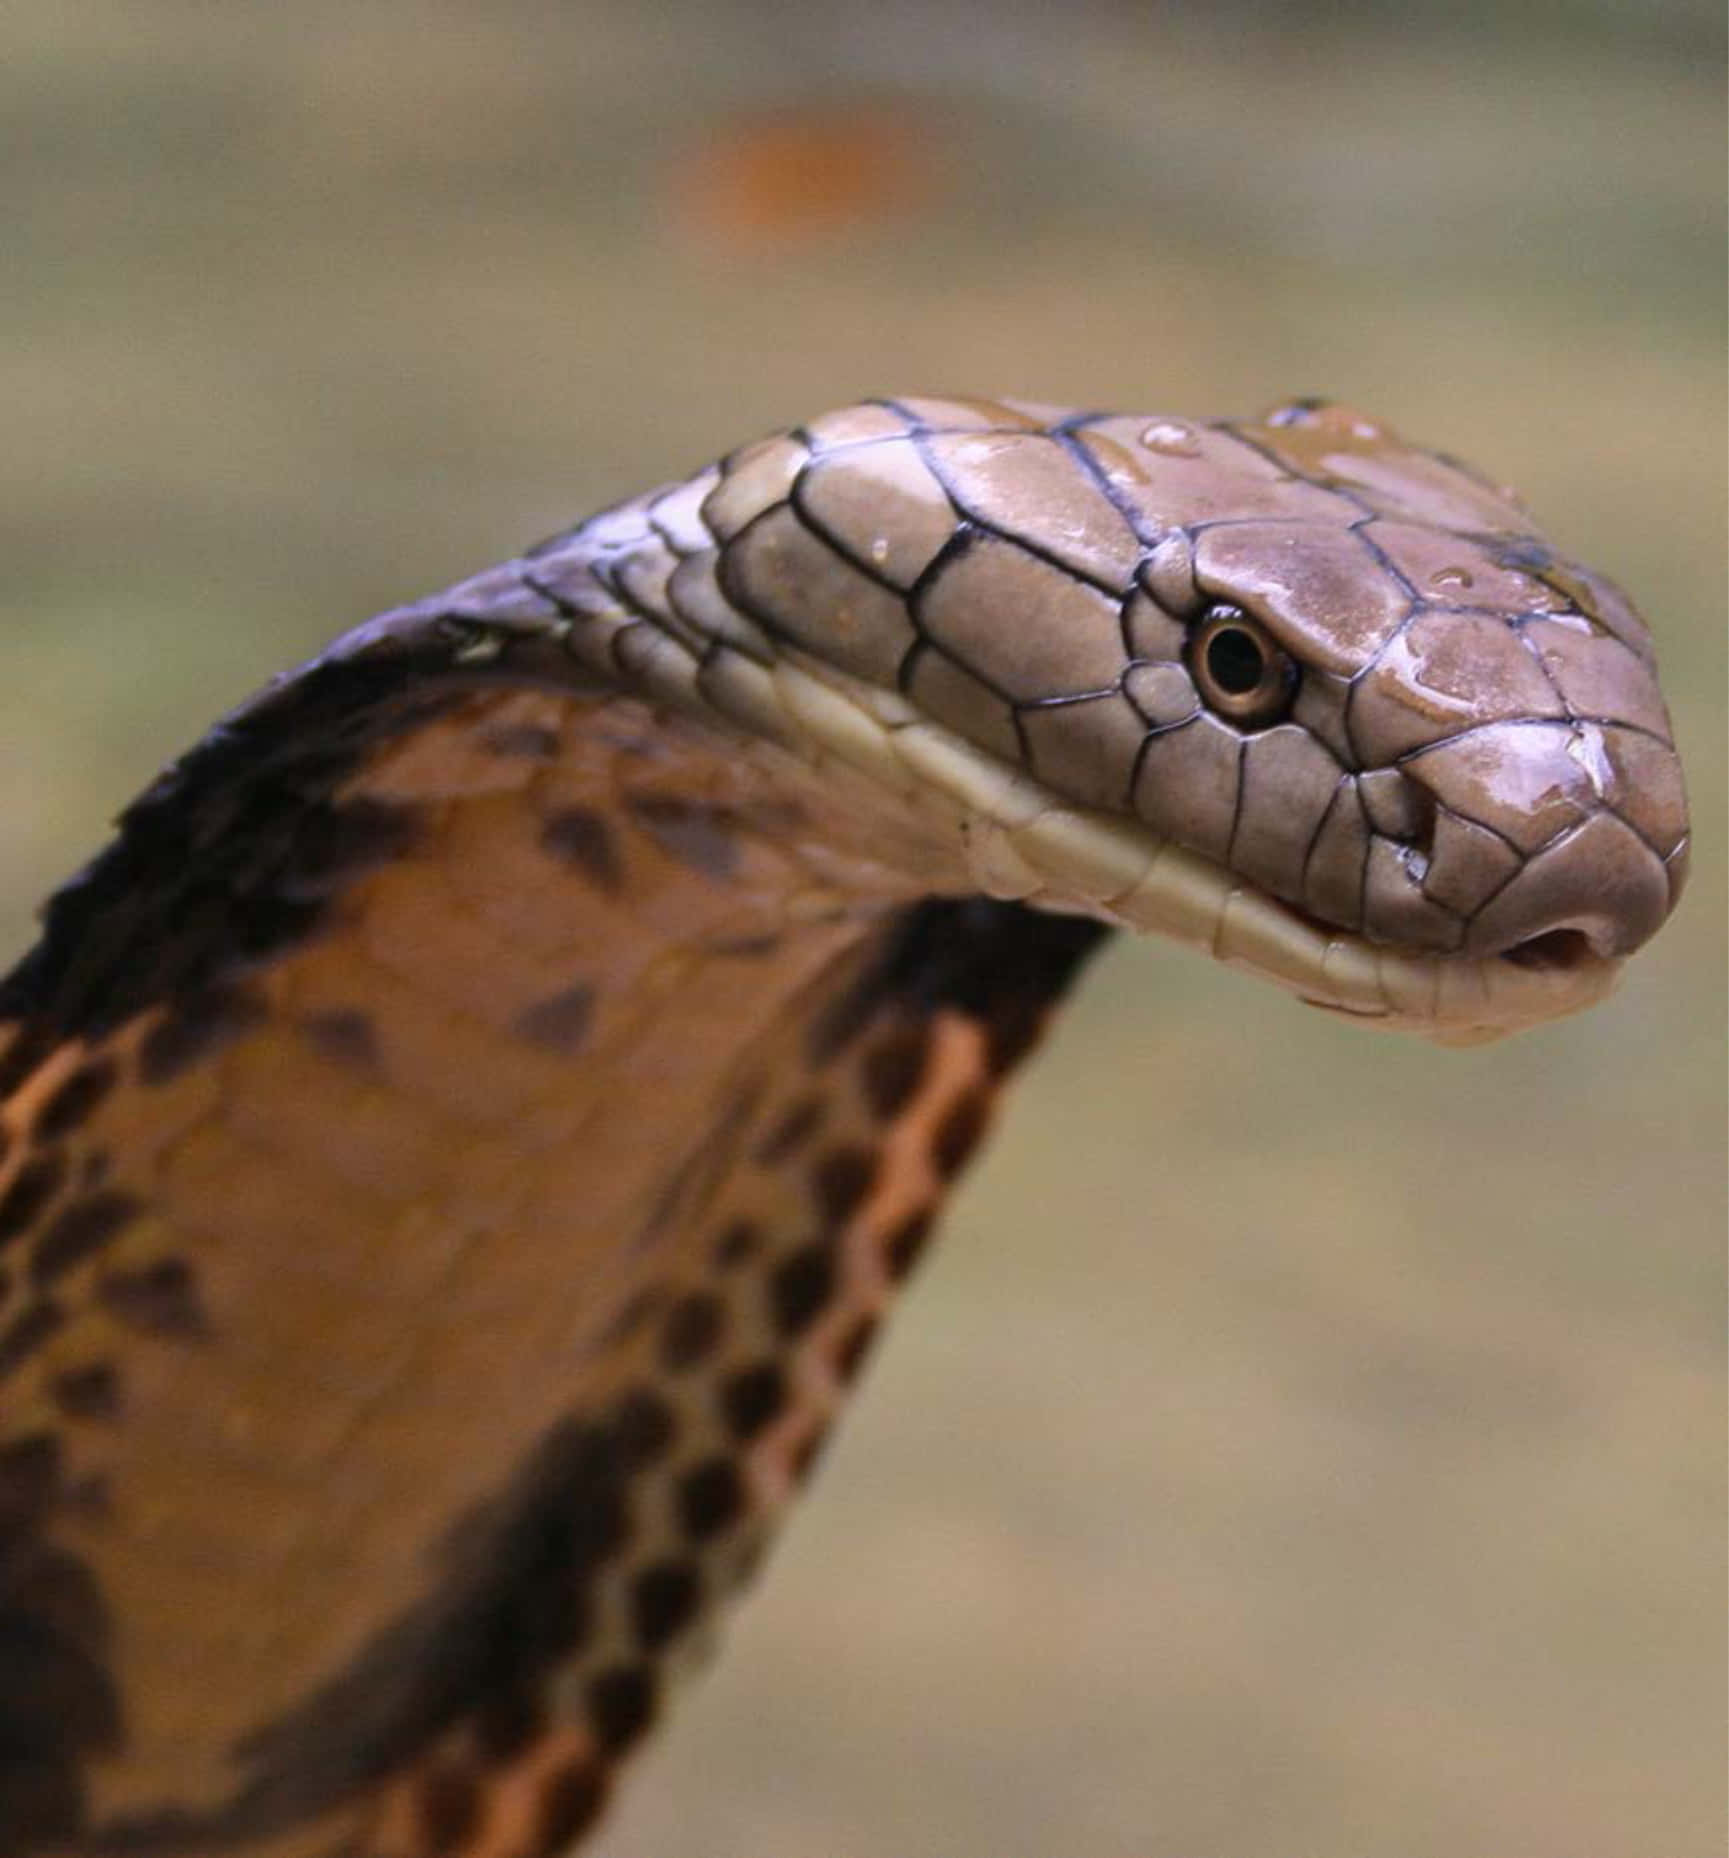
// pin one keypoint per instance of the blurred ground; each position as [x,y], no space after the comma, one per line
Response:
[1303,1444]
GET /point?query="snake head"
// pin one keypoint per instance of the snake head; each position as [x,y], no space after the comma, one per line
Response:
[1450,737]
[1293,690]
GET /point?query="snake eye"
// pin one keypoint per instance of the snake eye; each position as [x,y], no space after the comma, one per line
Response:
[1239,671]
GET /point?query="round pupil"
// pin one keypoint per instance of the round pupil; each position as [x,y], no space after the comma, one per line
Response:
[1235,660]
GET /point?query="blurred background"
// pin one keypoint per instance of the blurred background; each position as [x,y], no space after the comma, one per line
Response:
[1303,1442]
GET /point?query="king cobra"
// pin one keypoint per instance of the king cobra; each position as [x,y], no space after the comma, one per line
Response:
[461,1136]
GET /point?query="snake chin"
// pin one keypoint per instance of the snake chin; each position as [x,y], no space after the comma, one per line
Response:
[1454,1000]
[1552,976]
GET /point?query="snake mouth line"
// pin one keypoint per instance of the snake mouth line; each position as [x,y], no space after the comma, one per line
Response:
[1562,949]
[1023,842]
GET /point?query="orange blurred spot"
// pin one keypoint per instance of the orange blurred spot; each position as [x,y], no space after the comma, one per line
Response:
[789,177]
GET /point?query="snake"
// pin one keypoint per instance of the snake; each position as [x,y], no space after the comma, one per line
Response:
[462,1136]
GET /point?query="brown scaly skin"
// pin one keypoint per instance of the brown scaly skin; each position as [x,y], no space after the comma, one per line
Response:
[460,1138]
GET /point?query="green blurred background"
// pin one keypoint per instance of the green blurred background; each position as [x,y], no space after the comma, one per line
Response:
[1305,1442]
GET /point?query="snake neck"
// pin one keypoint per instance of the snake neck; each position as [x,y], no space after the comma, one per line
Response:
[603,1084]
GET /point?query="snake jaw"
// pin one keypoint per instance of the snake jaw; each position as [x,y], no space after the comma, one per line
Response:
[1018,840]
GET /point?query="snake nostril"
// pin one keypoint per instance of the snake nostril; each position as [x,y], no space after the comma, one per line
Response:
[1402,810]
[1555,951]
[1419,836]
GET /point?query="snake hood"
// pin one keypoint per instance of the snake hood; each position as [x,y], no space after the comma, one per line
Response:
[1292,690]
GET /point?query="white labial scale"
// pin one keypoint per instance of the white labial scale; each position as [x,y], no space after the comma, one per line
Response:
[1182,895]
[840,727]
[1410,984]
[1095,855]
[968,775]
[1258,933]
[1352,977]
[998,866]
[661,665]
[747,695]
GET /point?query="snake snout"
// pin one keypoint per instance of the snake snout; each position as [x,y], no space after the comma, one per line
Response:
[1596,890]
[1556,843]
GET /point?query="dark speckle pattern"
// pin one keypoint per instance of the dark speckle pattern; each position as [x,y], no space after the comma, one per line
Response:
[698,837]
[195,1026]
[893,1070]
[345,1035]
[560,1023]
[89,1496]
[159,1299]
[638,1308]
[800,1287]
[57,1703]
[339,842]
[91,1393]
[709,1498]
[29,1477]
[24,1334]
[753,1397]
[584,841]
[74,1100]
[690,1331]
[793,1131]
[34,1186]
[664,1598]
[520,741]
[643,1427]
[79,1232]
[621,1704]
[737,1242]
[842,1179]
